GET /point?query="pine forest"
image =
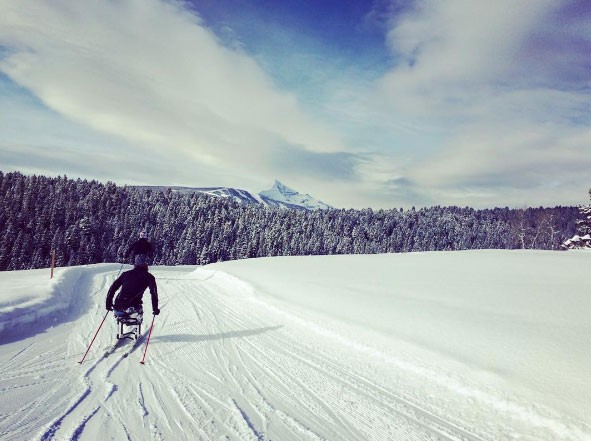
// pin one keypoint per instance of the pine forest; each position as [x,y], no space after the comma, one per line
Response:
[87,222]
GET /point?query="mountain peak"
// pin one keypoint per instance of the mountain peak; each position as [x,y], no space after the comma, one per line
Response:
[280,195]
[282,188]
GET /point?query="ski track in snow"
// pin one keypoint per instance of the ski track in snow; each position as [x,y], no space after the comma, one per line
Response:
[222,364]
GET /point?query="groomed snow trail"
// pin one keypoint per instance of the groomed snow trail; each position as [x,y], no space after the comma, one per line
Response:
[224,364]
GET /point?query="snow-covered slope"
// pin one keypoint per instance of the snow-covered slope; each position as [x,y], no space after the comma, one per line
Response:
[479,345]
[281,196]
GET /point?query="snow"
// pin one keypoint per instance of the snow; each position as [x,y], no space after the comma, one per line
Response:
[471,345]
[29,299]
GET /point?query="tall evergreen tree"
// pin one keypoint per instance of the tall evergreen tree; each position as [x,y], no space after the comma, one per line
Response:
[584,220]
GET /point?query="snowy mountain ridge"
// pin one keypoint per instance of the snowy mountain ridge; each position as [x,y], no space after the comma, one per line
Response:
[278,196]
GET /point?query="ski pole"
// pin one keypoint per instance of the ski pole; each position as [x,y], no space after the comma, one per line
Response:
[148,341]
[93,338]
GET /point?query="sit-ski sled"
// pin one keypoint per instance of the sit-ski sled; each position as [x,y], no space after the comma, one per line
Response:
[129,323]
[130,318]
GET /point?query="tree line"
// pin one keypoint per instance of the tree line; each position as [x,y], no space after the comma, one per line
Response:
[90,222]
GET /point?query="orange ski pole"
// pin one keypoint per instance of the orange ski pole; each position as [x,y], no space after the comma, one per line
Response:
[93,338]
[148,342]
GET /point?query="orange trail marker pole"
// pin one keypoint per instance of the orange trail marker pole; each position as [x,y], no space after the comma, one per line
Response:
[52,262]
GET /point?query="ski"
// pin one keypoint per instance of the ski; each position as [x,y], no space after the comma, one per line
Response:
[112,348]
[135,345]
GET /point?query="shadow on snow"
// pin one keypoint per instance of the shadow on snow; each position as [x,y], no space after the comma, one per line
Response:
[194,338]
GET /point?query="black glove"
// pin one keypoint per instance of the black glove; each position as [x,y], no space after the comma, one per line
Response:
[156,311]
[109,307]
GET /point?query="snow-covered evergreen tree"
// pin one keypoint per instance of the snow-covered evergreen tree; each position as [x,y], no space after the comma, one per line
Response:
[89,222]
[584,220]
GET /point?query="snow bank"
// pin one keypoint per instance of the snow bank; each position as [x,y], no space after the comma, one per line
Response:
[31,302]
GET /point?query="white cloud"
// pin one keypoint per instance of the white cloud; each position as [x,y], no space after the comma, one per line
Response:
[486,105]
[516,129]
[450,50]
[148,72]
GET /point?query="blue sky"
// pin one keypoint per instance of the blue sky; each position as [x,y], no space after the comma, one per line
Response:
[377,104]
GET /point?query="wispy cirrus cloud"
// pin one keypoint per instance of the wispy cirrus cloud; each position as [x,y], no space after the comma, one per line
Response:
[150,74]
[473,103]
[508,84]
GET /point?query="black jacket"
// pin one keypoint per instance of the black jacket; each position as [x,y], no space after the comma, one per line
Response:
[133,283]
[140,246]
